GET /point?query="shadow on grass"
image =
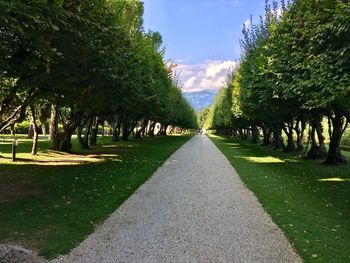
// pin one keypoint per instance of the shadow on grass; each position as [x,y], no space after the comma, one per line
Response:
[308,200]
[51,208]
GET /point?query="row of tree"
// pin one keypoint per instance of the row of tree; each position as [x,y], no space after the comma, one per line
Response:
[81,63]
[294,73]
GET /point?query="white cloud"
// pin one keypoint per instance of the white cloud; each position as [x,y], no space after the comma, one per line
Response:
[210,74]
[217,67]
[248,23]
[279,12]
[190,82]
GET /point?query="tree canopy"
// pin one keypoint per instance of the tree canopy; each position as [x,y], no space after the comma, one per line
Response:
[92,61]
[294,72]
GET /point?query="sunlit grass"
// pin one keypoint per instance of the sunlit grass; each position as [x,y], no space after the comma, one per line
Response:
[266,159]
[50,202]
[308,200]
[334,179]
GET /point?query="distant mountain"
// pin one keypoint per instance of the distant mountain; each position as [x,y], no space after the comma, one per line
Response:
[200,99]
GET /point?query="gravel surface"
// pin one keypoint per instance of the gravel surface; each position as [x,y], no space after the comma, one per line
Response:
[17,254]
[195,208]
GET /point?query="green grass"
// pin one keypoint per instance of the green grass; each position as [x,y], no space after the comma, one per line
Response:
[309,201]
[52,202]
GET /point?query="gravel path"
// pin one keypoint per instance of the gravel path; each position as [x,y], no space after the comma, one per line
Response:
[195,208]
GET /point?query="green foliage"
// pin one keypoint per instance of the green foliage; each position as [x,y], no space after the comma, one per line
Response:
[89,58]
[202,116]
[294,69]
[22,127]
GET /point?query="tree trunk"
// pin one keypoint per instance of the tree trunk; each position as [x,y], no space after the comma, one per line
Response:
[12,129]
[319,131]
[277,139]
[334,154]
[171,130]
[35,132]
[103,128]
[43,125]
[255,134]
[267,136]
[128,127]
[87,133]
[132,128]
[16,115]
[68,129]
[116,129]
[300,130]
[290,140]
[80,135]
[94,131]
[165,128]
[141,132]
[317,150]
[66,139]
[125,130]
[53,129]
[30,131]
[241,133]
[84,140]
[150,132]
[160,130]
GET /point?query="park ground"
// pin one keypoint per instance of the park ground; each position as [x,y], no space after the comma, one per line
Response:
[308,200]
[50,202]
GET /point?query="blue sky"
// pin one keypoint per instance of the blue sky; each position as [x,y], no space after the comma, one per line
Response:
[201,36]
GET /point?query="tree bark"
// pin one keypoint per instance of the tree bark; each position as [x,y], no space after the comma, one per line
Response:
[300,130]
[290,140]
[277,139]
[35,132]
[241,134]
[255,134]
[103,127]
[12,129]
[128,127]
[18,114]
[43,125]
[165,128]
[150,132]
[171,130]
[53,128]
[125,129]
[334,155]
[141,132]
[116,129]
[267,136]
[84,140]
[79,134]
[94,131]
[317,150]
[30,131]
[68,129]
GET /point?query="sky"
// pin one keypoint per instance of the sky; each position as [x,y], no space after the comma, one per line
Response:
[201,36]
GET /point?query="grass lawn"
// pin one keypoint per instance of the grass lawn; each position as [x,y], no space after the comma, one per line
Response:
[51,202]
[309,201]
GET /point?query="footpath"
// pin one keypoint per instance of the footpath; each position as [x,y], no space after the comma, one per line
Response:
[194,208]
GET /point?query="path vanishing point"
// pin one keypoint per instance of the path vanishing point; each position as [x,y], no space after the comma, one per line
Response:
[195,208]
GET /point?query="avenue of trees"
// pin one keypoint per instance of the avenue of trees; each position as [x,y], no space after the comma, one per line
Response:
[293,77]
[79,64]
